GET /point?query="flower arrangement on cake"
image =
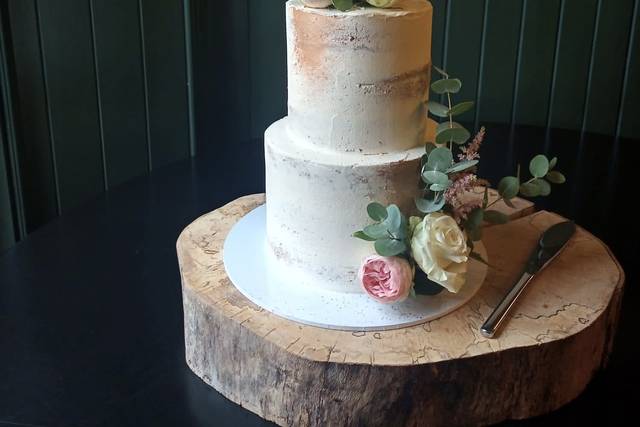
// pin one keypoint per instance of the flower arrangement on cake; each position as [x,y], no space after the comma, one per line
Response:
[345,4]
[429,253]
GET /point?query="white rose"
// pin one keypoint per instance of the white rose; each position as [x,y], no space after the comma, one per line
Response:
[439,247]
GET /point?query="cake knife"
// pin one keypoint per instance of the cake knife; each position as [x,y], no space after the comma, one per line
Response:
[551,243]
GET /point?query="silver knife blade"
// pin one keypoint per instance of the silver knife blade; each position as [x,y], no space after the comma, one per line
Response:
[551,243]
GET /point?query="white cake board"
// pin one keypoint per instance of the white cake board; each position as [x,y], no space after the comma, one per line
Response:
[250,266]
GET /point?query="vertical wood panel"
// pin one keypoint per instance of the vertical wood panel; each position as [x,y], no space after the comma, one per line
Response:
[437,31]
[71,89]
[573,64]
[7,232]
[608,66]
[536,65]
[36,162]
[168,104]
[463,47]
[267,63]
[629,125]
[501,46]
[118,56]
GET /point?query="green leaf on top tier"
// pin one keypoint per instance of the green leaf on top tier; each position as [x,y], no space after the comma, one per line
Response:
[461,108]
[446,86]
[438,109]
[363,236]
[440,159]
[556,177]
[508,187]
[539,166]
[495,217]
[435,177]
[459,167]
[343,4]
[376,211]
[455,132]
[429,206]
[390,247]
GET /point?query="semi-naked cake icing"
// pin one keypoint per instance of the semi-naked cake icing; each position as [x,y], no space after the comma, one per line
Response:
[355,132]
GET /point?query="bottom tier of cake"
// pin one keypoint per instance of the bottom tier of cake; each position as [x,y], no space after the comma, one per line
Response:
[316,199]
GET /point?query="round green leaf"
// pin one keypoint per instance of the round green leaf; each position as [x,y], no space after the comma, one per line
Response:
[475,234]
[376,231]
[437,109]
[459,167]
[435,177]
[544,188]
[529,189]
[376,211]
[508,187]
[455,132]
[553,163]
[446,86]
[363,236]
[556,177]
[429,206]
[539,166]
[495,217]
[343,4]
[440,187]
[389,247]
[440,159]
[394,218]
[461,108]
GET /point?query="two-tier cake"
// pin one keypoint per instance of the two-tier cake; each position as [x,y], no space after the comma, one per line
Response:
[355,132]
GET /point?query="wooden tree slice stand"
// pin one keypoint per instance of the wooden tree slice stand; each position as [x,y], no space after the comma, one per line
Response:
[439,373]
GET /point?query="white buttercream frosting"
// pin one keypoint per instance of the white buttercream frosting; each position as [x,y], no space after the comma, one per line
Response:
[358,80]
[358,85]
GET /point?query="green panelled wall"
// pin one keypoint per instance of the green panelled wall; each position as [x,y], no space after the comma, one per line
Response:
[100,88]
[99,95]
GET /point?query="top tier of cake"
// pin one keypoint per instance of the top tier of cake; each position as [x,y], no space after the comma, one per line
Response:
[359,81]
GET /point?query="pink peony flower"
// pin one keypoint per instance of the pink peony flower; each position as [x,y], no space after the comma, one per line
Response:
[386,279]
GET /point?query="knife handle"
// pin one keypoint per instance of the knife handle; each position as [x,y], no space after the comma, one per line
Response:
[490,327]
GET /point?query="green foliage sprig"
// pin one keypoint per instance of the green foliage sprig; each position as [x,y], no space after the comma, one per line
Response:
[390,232]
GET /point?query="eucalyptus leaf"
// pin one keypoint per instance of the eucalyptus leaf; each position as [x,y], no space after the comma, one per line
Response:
[437,109]
[429,206]
[440,71]
[376,211]
[544,188]
[390,247]
[394,219]
[435,177]
[556,177]
[461,108]
[459,167]
[440,159]
[429,147]
[455,132]
[495,217]
[363,236]
[475,234]
[539,166]
[446,86]
[376,231]
[509,203]
[343,5]
[485,198]
[553,163]
[440,187]
[508,187]
[529,189]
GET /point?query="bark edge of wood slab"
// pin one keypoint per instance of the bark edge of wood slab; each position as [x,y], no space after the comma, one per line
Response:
[439,373]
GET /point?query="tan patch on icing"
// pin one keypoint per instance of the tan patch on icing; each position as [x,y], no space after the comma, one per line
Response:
[310,31]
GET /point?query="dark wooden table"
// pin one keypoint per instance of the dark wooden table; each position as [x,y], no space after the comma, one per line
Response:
[91,328]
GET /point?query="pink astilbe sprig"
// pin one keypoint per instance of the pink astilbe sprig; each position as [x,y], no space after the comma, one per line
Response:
[461,183]
[472,151]
[461,212]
